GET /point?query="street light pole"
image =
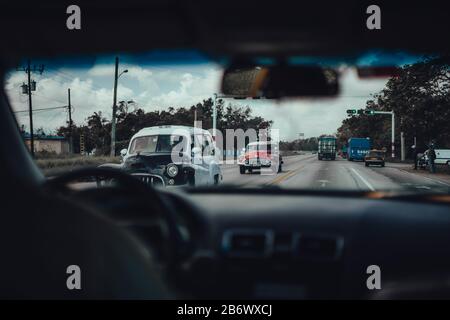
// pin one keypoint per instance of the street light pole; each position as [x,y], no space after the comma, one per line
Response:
[393,134]
[391,113]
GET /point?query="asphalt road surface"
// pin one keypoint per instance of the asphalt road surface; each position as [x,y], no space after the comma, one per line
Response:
[307,172]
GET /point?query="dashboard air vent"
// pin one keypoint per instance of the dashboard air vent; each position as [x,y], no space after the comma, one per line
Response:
[247,243]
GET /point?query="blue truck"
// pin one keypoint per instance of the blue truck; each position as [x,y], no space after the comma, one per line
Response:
[358,148]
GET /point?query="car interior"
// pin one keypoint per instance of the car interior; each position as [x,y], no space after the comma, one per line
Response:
[133,241]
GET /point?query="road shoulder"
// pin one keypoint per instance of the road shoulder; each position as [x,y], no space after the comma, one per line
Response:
[439,177]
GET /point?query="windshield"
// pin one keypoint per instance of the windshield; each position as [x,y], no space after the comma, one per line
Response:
[78,119]
[155,143]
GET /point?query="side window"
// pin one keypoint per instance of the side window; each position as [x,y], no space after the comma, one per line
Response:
[208,150]
[204,142]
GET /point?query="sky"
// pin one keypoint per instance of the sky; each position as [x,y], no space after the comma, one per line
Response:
[159,86]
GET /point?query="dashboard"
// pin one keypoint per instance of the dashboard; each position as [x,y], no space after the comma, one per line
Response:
[259,245]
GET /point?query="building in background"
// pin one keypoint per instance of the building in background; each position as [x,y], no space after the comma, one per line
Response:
[48,143]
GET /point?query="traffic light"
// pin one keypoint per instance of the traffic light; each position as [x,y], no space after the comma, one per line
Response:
[351,112]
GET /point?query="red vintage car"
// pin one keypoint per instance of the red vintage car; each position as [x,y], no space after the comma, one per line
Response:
[259,155]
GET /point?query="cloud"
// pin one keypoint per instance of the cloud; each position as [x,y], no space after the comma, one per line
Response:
[314,117]
[190,90]
[52,91]
[159,87]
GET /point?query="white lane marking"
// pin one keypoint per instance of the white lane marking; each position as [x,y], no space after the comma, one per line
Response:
[423,187]
[363,180]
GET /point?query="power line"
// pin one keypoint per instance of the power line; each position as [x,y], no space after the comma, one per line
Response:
[48,98]
[41,109]
[71,77]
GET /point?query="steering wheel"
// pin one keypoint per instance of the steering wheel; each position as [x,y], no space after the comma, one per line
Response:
[127,184]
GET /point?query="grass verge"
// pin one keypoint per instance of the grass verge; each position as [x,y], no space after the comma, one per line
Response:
[54,166]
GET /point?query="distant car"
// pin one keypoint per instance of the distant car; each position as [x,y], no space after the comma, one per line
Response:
[259,155]
[442,158]
[375,157]
[162,156]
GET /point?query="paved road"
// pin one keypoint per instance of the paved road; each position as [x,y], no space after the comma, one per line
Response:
[306,171]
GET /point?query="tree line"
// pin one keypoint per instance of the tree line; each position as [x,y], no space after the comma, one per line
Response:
[308,144]
[419,95]
[97,128]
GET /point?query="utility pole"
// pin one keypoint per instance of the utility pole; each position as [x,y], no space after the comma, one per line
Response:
[70,122]
[393,134]
[113,122]
[30,109]
[26,89]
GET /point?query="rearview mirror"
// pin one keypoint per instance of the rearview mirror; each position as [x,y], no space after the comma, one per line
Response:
[123,152]
[275,82]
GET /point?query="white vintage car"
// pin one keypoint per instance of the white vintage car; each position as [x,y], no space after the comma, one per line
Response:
[442,158]
[173,156]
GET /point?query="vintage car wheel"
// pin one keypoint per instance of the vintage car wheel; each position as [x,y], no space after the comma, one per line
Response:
[242,169]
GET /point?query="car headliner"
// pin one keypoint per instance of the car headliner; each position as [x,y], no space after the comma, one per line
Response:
[220,27]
